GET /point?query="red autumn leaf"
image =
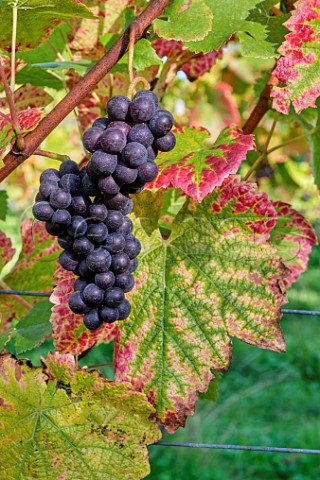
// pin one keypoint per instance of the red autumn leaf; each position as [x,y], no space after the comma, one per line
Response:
[6,250]
[69,333]
[196,168]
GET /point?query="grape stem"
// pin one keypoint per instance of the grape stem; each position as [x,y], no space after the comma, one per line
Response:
[54,156]
[83,87]
[131,55]
[13,46]
[132,87]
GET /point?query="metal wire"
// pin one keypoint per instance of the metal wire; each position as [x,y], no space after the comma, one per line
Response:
[218,446]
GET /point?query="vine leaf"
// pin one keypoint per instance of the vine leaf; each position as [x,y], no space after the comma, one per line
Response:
[69,333]
[215,277]
[147,207]
[28,96]
[28,120]
[6,250]
[299,66]
[203,168]
[33,270]
[180,15]
[293,238]
[92,426]
[40,18]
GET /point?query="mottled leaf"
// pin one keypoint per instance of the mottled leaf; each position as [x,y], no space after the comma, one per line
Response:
[36,20]
[293,238]
[147,207]
[3,205]
[28,120]
[69,333]
[33,271]
[197,168]
[4,339]
[185,21]
[6,250]
[299,66]
[28,96]
[173,200]
[60,367]
[33,329]
[215,277]
[92,429]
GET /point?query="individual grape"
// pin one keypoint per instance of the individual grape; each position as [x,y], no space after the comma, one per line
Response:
[79,284]
[113,297]
[93,295]
[50,175]
[91,139]
[39,197]
[124,309]
[78,226]
[142,109]
[92,320]
[126,227]
[82,246]
[84,270]
[124,175]
[68,260]
[104,280]
[55,230]
[99,260]
[161,123]
[141,133]
[103,163]
[117,107]
[79,204]
[97,212]
[134,154]
[114,219]
[108,185]
[46,188]
[125,281]
[147,94]
[97,232]
[165,143]
[113,140]
[117,202]
[42,211]
[69,166]
[77,303]
[152,153]
[108,314]
[120,262]
[128,208]
[133,265]
[133,246]
[61,217]
[134,190]
[101,123]
[148,171]
[70,183]
[89,187]
[60,199]
[66,242]
[123,126]
[89,169]
[114,243]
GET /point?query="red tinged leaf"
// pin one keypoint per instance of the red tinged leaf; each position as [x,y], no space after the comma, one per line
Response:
[60,367]
[69,333]
[299,66]
[28,120]
[293,237]
[6,250]
[196,168]
[28,96]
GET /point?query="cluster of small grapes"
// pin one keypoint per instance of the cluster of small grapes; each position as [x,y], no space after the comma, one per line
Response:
[87,209]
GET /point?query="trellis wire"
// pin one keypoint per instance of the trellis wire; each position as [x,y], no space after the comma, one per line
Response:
[212,446]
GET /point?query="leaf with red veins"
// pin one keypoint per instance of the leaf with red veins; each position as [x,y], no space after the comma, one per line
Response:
[293,237]
[201,64]
[28,120]
[196,168]
[299,66]
[69,333]
[6,250]
[28,96]
[217,276]
[34,269]
[60,367]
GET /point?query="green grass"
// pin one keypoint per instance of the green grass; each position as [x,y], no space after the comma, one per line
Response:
[265,398]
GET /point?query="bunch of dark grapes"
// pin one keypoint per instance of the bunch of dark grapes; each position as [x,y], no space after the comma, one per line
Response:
[87,209]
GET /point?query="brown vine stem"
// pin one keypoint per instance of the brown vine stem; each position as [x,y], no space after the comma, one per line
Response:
[14,118]
[54,156]
[83,87]
[19,299]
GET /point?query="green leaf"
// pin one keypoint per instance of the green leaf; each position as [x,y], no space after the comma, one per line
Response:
[213,391]
[33,328]
[215,277]
[36,76]
[79,66]
[36,19]
[147,207]
[90,429]
[186,21]
[315,149]
[3,204]
[144,57]
[4,339]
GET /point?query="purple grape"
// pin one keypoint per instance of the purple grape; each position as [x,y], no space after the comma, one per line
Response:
[114,243]
[117,202]
[108,185]
[104,280]
[61,217]
[126,227]
[124,175]
[68,260]
[133,265]
[125,281]
[147,94]
[103,163]
[148,172]
[128,208]
[79,204]
[113,297]
[124,309]
[117,107]
[82,246]
[114,219]
[97,232]
[89,187]
[91,139]
[50,175]
[89,169]
[134,190]
[93,295]
[152,154]
[113,140]
[69,166]
[60,199]
[165,143]
[92,320]
[79,284]
[66,242]
[120,262]
[134,154]
[99,260]
[78,226]
[108,314]
[42,211]
[123,126]
[55,230]
[84,270]
[71,183]
[47,188]
[141,134]
[142,109]
[77,303]
[39,197]
[161,123]
[97,212]
[101,123]
[133,246]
